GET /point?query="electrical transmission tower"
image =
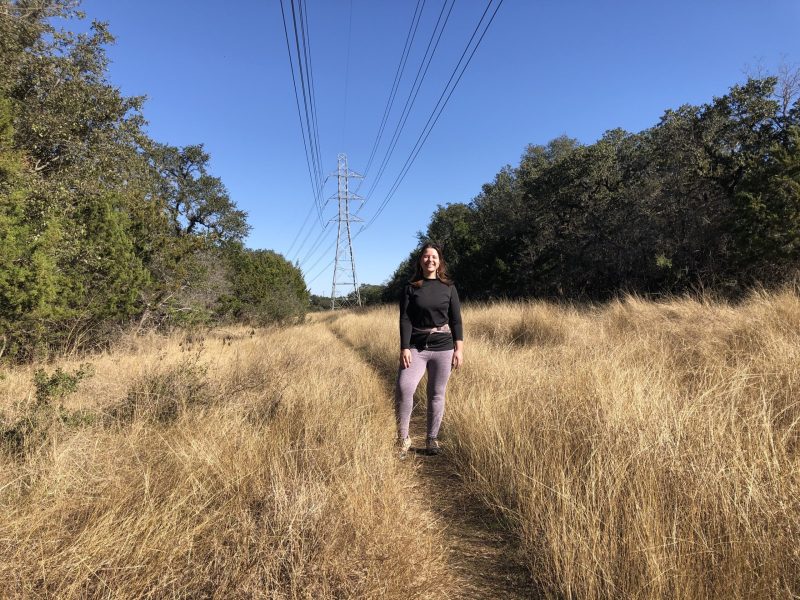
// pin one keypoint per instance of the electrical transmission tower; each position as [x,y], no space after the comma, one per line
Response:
[344,268]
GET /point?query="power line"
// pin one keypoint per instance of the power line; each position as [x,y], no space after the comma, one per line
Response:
[310,231]
[321,231]
[299,231]
[299,114]
[328,249]
[437,111]
[412,31]
[422,71]
[310,130]
[305,86]
[325,268]
[315,245]
[309,125]
[305,239]
[312,92]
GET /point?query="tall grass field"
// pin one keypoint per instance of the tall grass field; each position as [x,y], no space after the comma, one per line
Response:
[229,465]
[635,449]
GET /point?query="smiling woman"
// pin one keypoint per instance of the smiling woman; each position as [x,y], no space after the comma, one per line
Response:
[431,339]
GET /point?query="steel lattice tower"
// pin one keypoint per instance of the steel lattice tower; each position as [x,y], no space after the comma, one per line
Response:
[344,267]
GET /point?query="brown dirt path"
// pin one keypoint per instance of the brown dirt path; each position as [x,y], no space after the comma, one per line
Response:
[482,554]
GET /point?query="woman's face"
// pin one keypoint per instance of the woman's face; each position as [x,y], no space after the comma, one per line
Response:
[429,261]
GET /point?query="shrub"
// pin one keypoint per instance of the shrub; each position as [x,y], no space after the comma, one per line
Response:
[33,428]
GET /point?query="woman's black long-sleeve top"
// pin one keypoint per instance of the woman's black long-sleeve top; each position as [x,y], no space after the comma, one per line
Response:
[433,304]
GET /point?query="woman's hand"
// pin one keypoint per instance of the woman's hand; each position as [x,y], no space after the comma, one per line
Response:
[405,358]
[458,355]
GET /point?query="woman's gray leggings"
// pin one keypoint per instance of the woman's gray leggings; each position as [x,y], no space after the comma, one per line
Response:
[438,364]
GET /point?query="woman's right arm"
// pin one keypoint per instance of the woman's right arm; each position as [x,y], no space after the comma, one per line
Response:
[405,330]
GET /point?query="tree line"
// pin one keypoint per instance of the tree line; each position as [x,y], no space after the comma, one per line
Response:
[100,225]
[708,198]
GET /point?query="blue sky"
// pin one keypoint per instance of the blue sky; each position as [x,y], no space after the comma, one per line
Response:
[218,74]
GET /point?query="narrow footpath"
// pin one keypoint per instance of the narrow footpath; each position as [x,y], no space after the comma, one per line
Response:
[482,554]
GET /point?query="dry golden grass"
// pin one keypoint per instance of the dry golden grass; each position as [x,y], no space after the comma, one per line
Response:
[229,465]
[639,449]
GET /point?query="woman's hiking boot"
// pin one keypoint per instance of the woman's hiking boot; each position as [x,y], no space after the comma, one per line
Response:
[432,446]
[403,446]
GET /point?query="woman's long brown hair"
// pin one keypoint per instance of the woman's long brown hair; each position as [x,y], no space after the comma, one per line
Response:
[441,271]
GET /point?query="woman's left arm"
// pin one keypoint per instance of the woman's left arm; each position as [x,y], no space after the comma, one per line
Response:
[454,317]
[458,354]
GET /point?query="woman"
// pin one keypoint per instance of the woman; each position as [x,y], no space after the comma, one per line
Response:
[432,339]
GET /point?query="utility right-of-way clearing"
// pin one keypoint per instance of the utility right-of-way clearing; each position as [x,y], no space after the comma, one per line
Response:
[481,553]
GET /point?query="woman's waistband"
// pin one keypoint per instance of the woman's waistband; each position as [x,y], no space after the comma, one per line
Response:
[429,330]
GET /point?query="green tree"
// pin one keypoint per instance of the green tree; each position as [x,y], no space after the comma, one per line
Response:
[197,203]
[318,303]
[195,222]
[98,223]
[452,228]
[70,268]
[370,295]
[401,276]
[265,288]
[706,197]
[766,221]
[29,280]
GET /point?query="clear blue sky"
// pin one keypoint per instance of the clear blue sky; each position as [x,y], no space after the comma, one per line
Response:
[218,74]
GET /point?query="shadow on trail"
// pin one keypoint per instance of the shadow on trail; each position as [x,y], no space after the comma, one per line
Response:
[483,554]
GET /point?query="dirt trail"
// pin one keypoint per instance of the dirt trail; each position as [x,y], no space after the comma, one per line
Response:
[483,555]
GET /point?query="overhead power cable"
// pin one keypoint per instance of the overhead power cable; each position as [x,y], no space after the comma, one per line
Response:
[316,262]
[412,32]
[322,230]
[311,176]
[298,47]
[305,239]
[447,92]
[323,234]
[312,94]
[299,231]
[311,230]
[422,71]
[308,100]
[325,268]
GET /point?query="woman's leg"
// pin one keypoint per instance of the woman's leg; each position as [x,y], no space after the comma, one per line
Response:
[439,365]
[407,382]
